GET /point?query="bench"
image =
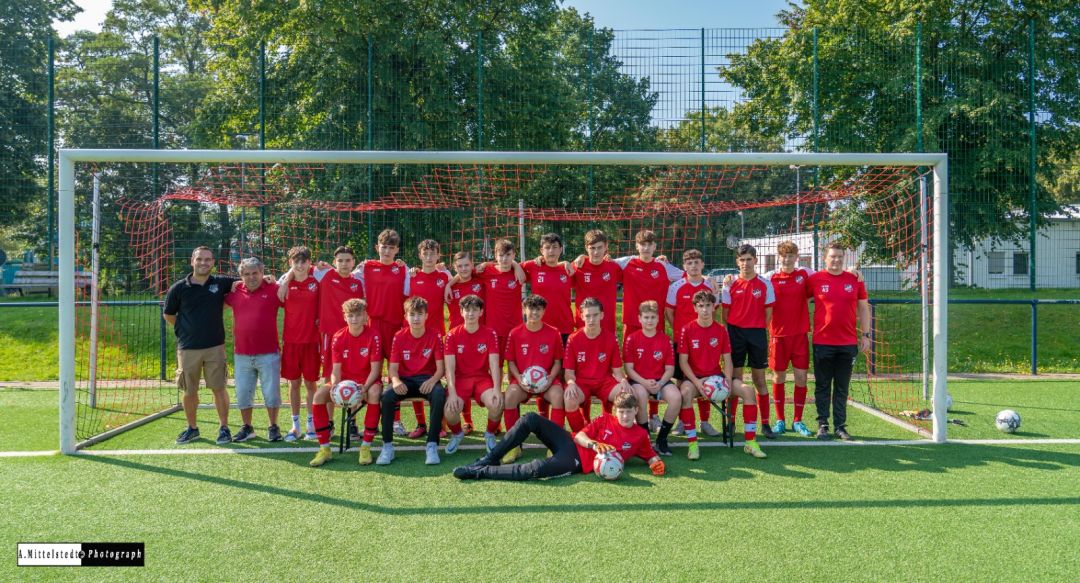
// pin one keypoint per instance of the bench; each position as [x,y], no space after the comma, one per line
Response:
[29,281]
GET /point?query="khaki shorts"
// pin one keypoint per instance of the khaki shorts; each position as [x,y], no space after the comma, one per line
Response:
[208,362]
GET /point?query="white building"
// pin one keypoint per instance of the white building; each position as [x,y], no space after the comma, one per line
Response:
[1003,264]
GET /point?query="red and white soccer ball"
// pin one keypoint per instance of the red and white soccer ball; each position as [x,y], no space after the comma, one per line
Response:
[346,394]
[536,380]
[716,389]
[608,466]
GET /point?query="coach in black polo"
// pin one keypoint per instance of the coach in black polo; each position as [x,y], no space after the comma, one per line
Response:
[194,307]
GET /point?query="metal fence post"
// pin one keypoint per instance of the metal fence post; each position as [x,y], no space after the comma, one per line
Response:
[51,229]
[154,177]
[1034,336]
[1032,161]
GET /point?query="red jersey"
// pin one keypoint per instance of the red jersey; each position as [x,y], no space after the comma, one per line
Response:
[600,282]
[473,287]
[335,290]
[592,359]
[254,319]
[643,281]
[629,442]
[648,355]
[503,303]
[387,287]
[302,312]
[836,302]
[706,347]
[554,285]
[790,315]
[471,351]
[357,354]
[526,348]
[416,356]
[746,300]
[680,297]
[432,287]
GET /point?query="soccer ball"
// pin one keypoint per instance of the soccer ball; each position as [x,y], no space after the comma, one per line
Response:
[948,401]
[716,389]
[1008,421]
[346,394]
[608,466]
[536,380]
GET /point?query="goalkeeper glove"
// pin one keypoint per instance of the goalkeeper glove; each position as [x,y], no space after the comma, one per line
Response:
[601,447]
[657,468]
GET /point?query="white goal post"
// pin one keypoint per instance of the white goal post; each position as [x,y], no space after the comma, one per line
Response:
[67,228]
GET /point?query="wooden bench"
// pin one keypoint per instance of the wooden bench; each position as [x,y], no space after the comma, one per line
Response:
[28,281]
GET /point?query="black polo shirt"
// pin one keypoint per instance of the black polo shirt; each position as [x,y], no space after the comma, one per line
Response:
[198,310]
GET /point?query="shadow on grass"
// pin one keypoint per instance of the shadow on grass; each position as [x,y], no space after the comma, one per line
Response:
[935,459]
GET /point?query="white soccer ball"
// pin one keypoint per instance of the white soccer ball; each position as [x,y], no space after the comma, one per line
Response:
[346,394]
[1007,421]
[608,466]
[716,389]
[536,380]
[948,401]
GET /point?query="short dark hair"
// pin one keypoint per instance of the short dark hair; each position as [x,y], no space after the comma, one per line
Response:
[344,249]
[200,249]
[534,301]
[591,303]
[837,245]
[704,296]
[462,255]
[354,306]
[300,253]
[692,254]
[503,246]
[645,236]
[626,401]
[416,305]
[389,237]
[746,249]
[595,236]
[471,301]
[427,244]
[551,238]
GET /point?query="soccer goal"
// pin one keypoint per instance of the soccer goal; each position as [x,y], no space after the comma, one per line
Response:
[132,217]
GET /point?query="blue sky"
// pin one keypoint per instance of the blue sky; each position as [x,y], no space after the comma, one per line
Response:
[617,14]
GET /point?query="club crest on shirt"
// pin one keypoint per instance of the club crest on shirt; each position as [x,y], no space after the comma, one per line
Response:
[440,283]
[544,349]
[476,288]
[602,357]
[713,342]
[562,278]
[354,286]
[657,355]
[655,274]
[626,446]
[312,287]
[849,288]
[213,288]
[606,276]
[363,352]
[798,279]
[512,284]
[426,352]
[394,270]
[756,293]
[482,347]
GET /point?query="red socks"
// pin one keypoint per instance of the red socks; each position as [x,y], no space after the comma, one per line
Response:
[542,407]
[418,408]
[455,428]
[800,402]
[733,407]
[371,421]
[466,412]
[704,409]
[686,415]
[511,416]
[779,397]
[654,408]
[749,418]
[320,417]
[576,419]
[493,426]
[397,415]
[558,416]
[763,407]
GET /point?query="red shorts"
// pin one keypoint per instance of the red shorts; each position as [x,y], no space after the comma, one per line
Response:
[472,387]
[600,389]
[386,331]
[784,349]
[300,360]
[529,396]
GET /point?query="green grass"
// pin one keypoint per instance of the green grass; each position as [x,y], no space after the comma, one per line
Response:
[913,513]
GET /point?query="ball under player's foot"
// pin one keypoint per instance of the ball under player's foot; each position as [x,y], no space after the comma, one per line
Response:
[386,455]
[324,454]
[365,454]
[780,427]
[708,429]
[754,449]
[512,455]
[455,441]
[801,428]
[694,452]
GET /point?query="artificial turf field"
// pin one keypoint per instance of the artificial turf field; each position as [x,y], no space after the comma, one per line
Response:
[906,511]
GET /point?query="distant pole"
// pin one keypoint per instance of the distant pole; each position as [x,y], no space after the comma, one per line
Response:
[52,152]
[1032,159]
[798,198]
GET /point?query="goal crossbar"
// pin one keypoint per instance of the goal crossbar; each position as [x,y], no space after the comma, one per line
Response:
[938,162]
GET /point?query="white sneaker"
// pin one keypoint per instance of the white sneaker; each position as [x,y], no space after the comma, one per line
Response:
[386,455]
[399,429]
[432,454]
[490,441]
[654,424]
[294,435]
[708,429]
[455,441]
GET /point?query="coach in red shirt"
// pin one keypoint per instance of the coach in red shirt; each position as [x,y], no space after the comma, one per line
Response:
[839,299]
[255,307]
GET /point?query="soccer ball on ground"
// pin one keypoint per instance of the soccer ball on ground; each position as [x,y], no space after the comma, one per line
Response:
[948,401]
[716,389]
[1007,421]
[608,466]
[536,380]
[346,394]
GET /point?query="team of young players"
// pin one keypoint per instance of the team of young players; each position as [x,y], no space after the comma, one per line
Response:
[579,350]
